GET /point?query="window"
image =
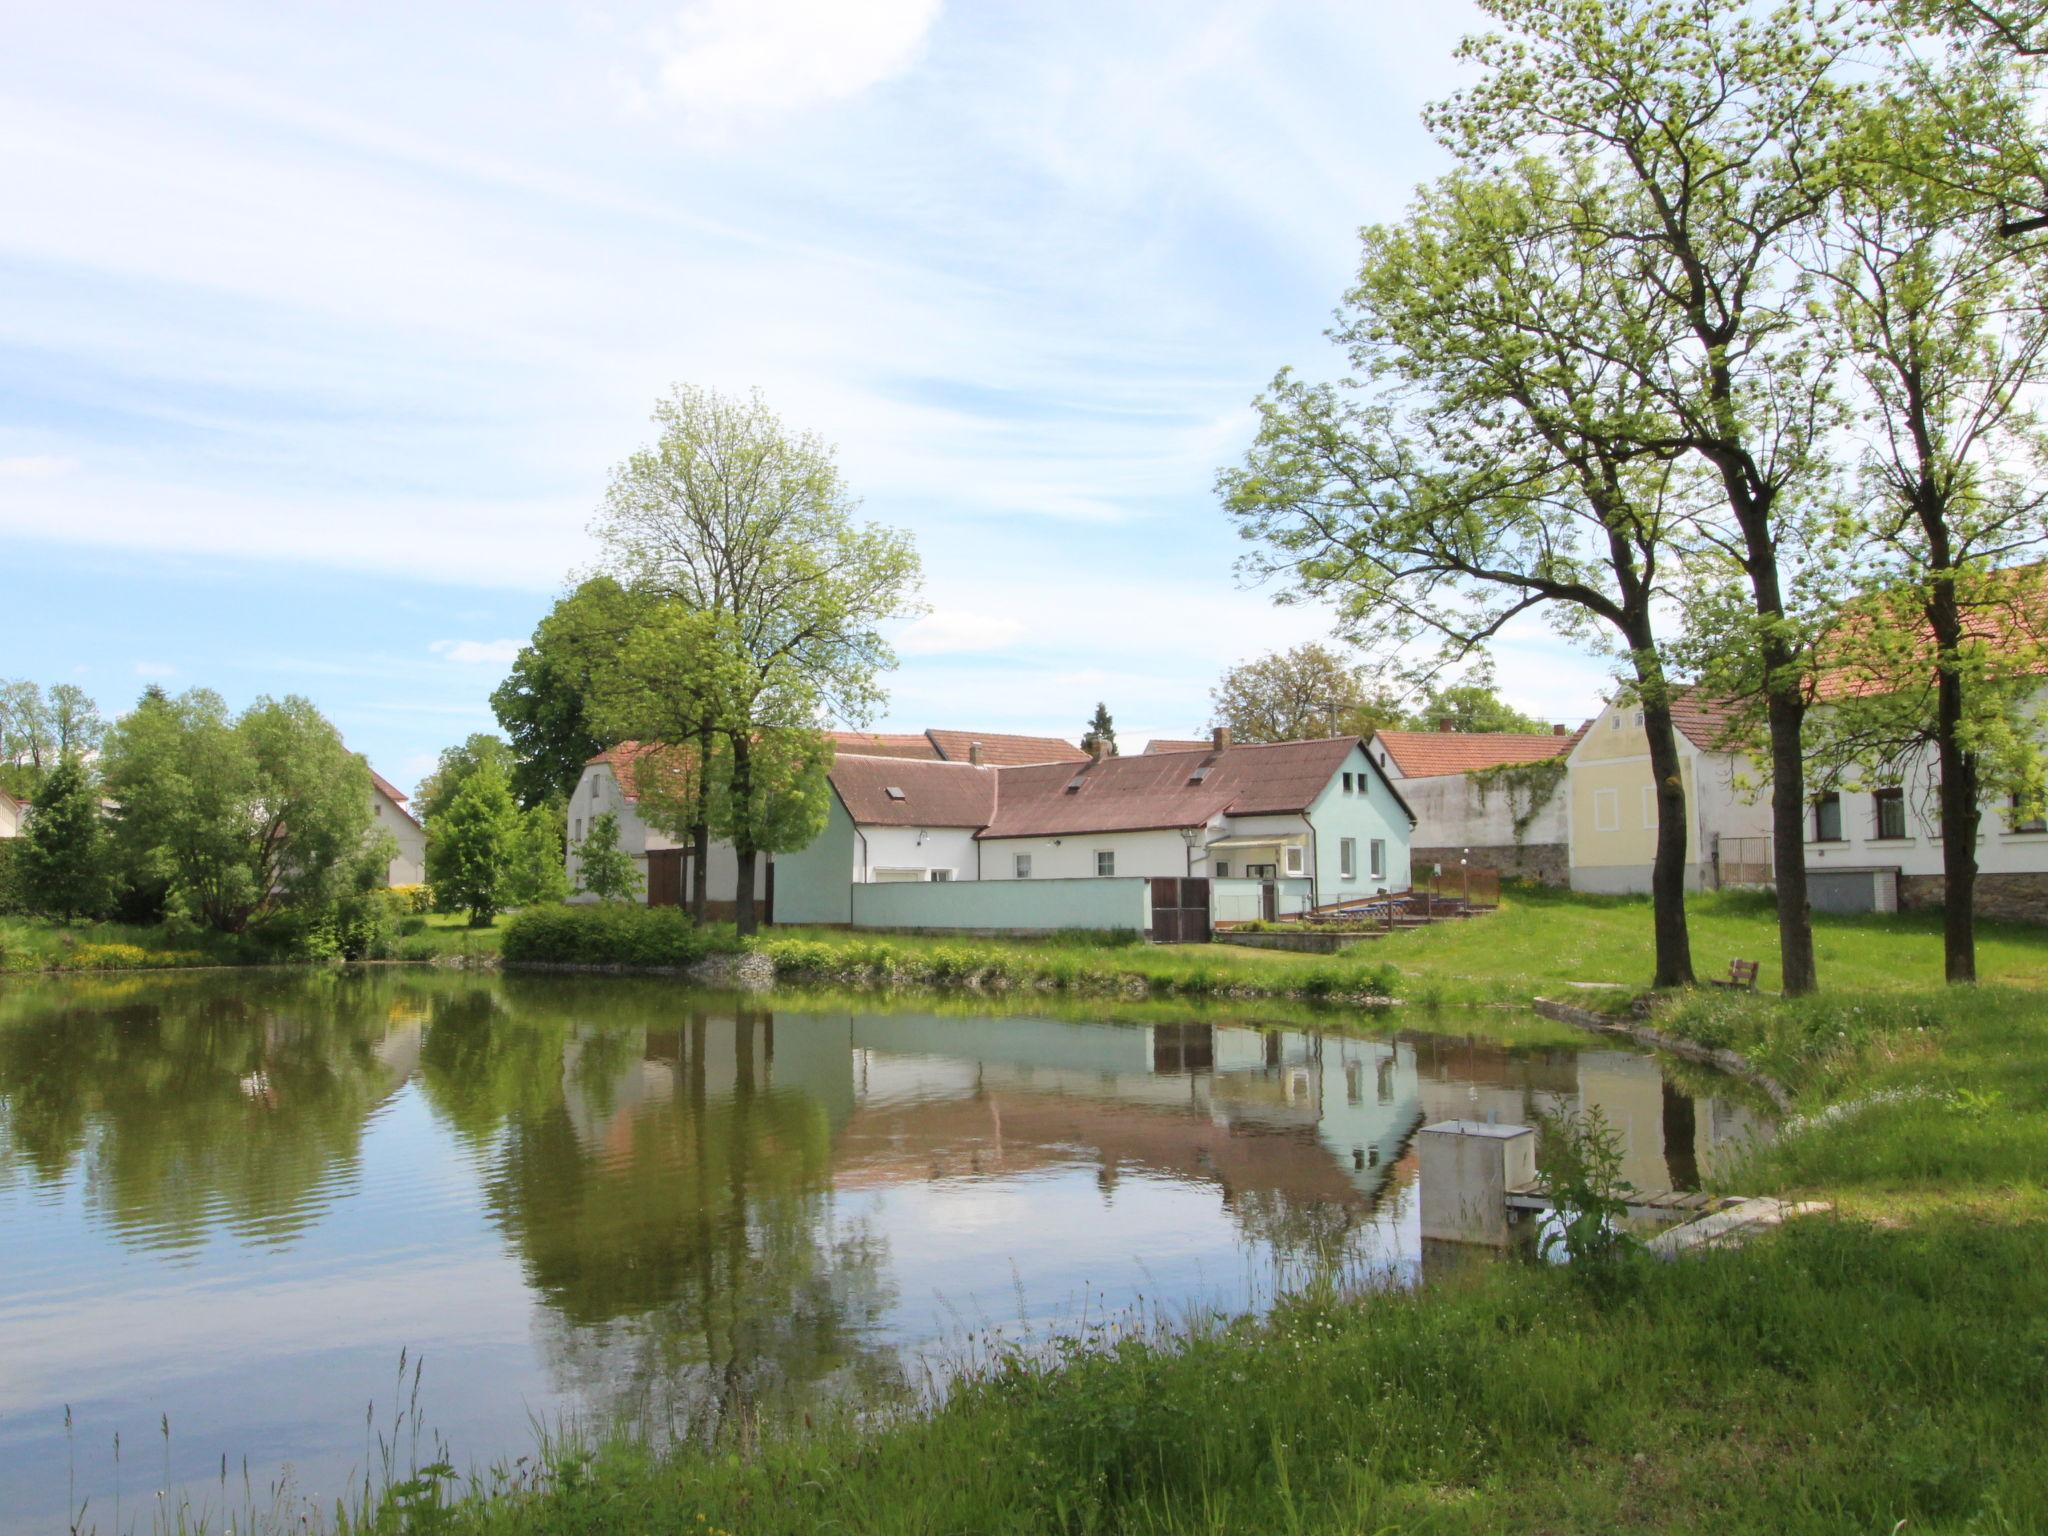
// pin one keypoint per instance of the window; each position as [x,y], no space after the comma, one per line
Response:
[1606,810]
[1614,722]
[1347,783]
[1105,863]
[1889,808]
[1650,806]
[1827,818]
[1347,858]
[1294,858]
[1023,866]
[2021,822]
[1379,859]
[893,792]
[1260,871]
[942,874]
[579,829]
[1223,869]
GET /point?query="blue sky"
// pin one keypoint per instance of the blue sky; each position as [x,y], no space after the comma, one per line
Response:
[320,327]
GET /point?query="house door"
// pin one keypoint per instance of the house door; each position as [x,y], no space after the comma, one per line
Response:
[665,877]
[1269,900]
[1180,910]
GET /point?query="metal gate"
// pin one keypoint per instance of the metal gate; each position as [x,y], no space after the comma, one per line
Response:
[1180,910]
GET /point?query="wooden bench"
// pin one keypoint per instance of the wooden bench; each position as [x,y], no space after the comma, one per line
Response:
[1741,976]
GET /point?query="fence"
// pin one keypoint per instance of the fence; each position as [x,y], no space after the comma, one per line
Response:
[1005,906]
[1742,861]
[1461,885]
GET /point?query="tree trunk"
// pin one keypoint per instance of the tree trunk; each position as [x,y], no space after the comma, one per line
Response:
[743,891]
[1667,872]
[742,793]
[700,832]
[1796,967]
[1959,789]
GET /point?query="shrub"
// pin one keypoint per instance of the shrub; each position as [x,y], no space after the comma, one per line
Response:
[417,899]
[611,933]
[10,877]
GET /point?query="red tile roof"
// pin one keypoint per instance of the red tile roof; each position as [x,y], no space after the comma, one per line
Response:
[1176,744]
[2005,614]
[622,759]
[929,794]
[1427,754]
[390,790]
[1159,789]
[1004,751]
[871,744]
[1705,722]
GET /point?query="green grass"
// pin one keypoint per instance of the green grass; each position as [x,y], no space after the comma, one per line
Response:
[29,944]
[1883,1364]
[449,933]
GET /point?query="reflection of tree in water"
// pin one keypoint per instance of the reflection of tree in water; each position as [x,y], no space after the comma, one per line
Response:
[670,1203]
[194,1104]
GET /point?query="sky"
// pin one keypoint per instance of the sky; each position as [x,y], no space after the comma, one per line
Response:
[321,326]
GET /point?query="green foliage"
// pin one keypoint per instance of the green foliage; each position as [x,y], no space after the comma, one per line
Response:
[780,804]
[64,848]
[611,934]
[535,874]
[1100,732]
[12,900]
[1582,1163]
[1294,695]
[437,791]
[1529,787]
[471,843]
[547,706]
[235,818]
[603,868]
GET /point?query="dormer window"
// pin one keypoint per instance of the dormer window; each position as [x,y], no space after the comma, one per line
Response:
[893,792]
[1199,774]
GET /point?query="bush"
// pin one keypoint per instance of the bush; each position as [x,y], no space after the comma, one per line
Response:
[612,933]
[10,877]
[417,899]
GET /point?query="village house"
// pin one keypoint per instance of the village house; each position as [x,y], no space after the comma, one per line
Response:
[12,813]
[608,784]
[389,814]
[1270,828]
[1485,798]
[1611,801]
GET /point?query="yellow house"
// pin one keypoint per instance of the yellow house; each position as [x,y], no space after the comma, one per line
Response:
[1611,802]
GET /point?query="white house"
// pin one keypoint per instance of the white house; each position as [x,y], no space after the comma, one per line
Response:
[1318,820]
[1465,814]
[608,784]
[12,811]
[388,814]
[1611,801]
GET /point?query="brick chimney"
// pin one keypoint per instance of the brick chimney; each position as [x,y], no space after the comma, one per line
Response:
[1558,730]
[1096,748]
[974,753]
[1219,739]
[1444,726]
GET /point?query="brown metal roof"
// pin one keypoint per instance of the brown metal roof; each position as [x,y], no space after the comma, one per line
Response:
[1427,754]
[1159,789]
[1004,751]
[932,794]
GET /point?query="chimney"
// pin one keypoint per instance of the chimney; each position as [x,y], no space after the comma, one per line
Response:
[974,753]
[1558,730]
[1219,739]
[1444,726]
[1095,749]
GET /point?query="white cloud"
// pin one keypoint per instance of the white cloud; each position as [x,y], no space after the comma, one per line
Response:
[719,58]
[41,466]
[950,632]
[477,652]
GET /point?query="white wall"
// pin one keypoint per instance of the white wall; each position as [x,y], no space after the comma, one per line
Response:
[1073,857]
[919,848]
[409,865]
[10,818]
[1450,812]
[598,791]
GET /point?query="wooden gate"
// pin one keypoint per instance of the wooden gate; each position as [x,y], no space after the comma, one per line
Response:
[1269,900]
[665,877]
[1180,910]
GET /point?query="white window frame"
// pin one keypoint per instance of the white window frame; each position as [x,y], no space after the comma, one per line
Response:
[1377,848]
[901,874]
[1649,807]
[1105,863]
[1293,861]
[1347,858]
[1021,867]
[1606,810]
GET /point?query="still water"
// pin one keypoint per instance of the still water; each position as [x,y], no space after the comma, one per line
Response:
[229,1202]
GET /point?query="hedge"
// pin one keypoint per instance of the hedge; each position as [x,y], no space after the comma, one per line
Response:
[612,933]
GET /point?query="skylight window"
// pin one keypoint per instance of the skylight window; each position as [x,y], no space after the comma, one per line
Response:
[1074,784]
[894,793]
[1199,774]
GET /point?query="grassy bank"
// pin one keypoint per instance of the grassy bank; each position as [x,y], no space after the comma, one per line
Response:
[30,945]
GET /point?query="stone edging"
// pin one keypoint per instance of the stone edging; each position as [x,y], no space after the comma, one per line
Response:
[1732,1062]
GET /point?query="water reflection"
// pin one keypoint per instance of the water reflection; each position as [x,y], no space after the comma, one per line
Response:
[233,1199]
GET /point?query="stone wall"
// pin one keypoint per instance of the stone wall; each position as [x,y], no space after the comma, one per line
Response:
[1545,863]
[2015,898]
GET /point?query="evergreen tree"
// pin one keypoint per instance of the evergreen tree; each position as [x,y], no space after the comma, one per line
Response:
[64,854]
[607,869]
[475,836]
[1101,731]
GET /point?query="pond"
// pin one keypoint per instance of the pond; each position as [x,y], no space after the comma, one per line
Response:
[228,1201]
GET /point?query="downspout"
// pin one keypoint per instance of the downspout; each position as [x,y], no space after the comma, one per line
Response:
[1315,864]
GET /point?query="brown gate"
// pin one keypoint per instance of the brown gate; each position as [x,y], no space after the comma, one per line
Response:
[1269,900]
[1180,910]
[665,877]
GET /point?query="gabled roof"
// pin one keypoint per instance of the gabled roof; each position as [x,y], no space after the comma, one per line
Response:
[1173,744]
[621,759]
[2003,612]
[925,794]
[1167,789]
[1703,721]
[1428,754]
[385,787]
[1004,751]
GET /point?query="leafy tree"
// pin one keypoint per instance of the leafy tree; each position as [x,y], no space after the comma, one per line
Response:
[1718,129]
[1485,461]
[476,835]
[238,817]
[604,869]
[437,791]
[64,865]
[535,873]
[1946,348]
[28,746]
[1472,705]
[732,515]
[75,720]
[544,705]
[1101,732]
[1290,695]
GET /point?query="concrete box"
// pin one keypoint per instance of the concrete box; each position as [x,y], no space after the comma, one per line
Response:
[1465,1170]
